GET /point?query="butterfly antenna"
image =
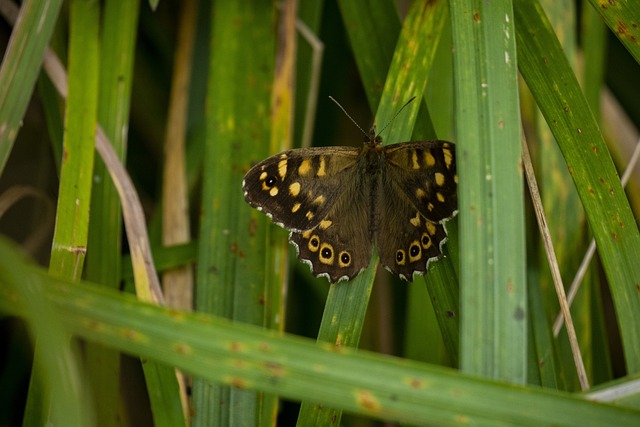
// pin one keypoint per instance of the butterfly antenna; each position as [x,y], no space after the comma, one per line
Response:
[396,114]
[347,114]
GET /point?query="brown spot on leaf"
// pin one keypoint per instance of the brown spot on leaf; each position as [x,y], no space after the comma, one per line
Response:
[238,382]
[182,348]
[623,30]
[263,346]
[275,369]
[253,225]
[93,325]
[367,401]
[416,383]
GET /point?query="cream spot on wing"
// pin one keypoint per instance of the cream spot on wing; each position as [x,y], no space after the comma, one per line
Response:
[420,194]
[318,200]
[448,157]
[440,197]
[282,168]
[431,228]
[263,176]
[309,215]
[325,223]
[304,168]
[321,169]
[439,179]
[273,192]
[429,160]
[414,159]
[296,207]
[294,189]
[415,221]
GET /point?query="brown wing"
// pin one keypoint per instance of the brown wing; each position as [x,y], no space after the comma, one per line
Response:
[295,188]
[425,172]
[340,246]
[416,194]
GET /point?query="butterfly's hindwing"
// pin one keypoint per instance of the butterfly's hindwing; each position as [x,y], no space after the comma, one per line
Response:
[340,246]
[407,242]
[296,188]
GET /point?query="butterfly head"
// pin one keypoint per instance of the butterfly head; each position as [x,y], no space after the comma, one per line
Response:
[372,138]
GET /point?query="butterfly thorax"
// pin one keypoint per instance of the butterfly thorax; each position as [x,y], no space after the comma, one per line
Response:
[372,154]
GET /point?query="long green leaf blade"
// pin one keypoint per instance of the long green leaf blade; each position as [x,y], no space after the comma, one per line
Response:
[492,272]
[104,245]
[234,266]
[21,65]
[251,358]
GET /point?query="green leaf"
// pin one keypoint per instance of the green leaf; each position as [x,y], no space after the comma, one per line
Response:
[492,271]
[235,265]
[21,65]
[251,358]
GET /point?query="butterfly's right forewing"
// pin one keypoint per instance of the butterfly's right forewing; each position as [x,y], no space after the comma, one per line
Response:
[425,171]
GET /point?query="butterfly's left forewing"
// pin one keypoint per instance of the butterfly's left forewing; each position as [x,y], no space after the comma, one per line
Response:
[319,195]
[295,188]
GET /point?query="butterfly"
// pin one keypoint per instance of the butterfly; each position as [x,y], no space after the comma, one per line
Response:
[338,202]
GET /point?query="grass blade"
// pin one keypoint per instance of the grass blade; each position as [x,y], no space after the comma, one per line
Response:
[252,358]
[492,273]
[21,65]
[235,264]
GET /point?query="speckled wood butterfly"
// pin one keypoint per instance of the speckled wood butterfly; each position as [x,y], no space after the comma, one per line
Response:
[338,201]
